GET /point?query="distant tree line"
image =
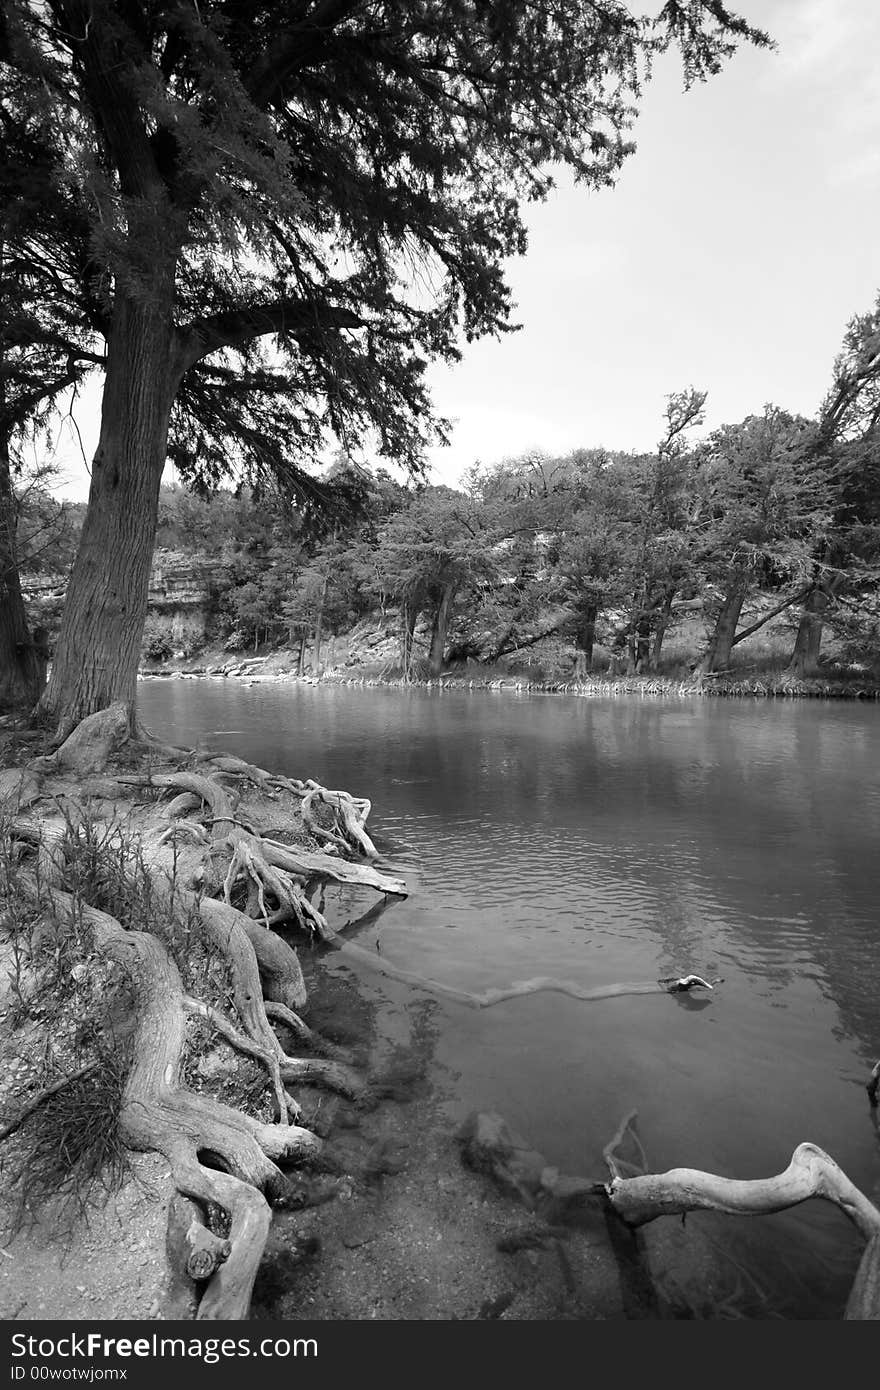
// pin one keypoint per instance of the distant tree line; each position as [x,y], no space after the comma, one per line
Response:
[774,514]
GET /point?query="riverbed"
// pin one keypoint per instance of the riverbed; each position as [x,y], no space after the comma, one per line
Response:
[620,840]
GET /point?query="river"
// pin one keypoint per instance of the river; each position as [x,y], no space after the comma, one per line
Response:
[622,839]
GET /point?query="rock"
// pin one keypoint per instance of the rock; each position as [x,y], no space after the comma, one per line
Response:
[490,1146]
[359,1233]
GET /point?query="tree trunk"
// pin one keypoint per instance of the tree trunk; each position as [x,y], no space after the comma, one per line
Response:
[807,645]
[661,623]
[584,639]
[717,656]
[409,614]
[19,678]
[439,631]
[22,659]
[319,626]
[96,658]
[302,655]
[642,645]
[772,613]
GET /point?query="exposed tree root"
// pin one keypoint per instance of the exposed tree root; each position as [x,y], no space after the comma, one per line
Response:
[351,817]
[220,1157]
[158,1113]
[263,965]
[230,1034]
[181,1298]
[317,1044]
[235,936]
[351,811]
[314,865]
[203,1250]
[276,875]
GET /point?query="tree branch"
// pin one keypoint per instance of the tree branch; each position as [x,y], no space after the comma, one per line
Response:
[294,47]
[234,328]
[774,612]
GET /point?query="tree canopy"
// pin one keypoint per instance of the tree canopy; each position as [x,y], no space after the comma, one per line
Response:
[308,200]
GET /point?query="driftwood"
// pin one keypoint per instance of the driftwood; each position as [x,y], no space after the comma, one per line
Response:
[634,1197]
[644,1197]
[811,1173]
[540,984]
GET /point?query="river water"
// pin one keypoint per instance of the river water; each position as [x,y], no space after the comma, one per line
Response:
[615,840]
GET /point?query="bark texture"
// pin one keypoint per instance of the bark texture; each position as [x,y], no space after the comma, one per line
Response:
[808,642]
[23,655]
[439,631]
[96,657]
[721,643]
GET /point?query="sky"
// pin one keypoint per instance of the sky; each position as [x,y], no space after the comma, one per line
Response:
[740,238]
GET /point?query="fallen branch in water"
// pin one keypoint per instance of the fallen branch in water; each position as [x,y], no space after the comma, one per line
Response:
[811,1173]
[540,984]
[643,1197]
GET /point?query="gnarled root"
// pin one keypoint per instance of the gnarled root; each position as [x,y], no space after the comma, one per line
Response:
[192,1130]
[240,941]
[350,819]
[263,965]
[266,866]
[193,1254]
[351,812]
[318,1044]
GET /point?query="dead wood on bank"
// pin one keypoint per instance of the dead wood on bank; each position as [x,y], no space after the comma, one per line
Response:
[520,989]
[638,1198]
[633,1197]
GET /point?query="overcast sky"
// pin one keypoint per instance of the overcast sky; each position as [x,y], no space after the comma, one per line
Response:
[741,236]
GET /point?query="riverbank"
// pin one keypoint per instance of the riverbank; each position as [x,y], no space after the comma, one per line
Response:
[273,670]
[383,1222]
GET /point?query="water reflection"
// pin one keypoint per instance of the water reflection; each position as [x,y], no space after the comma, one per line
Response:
[614,840]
